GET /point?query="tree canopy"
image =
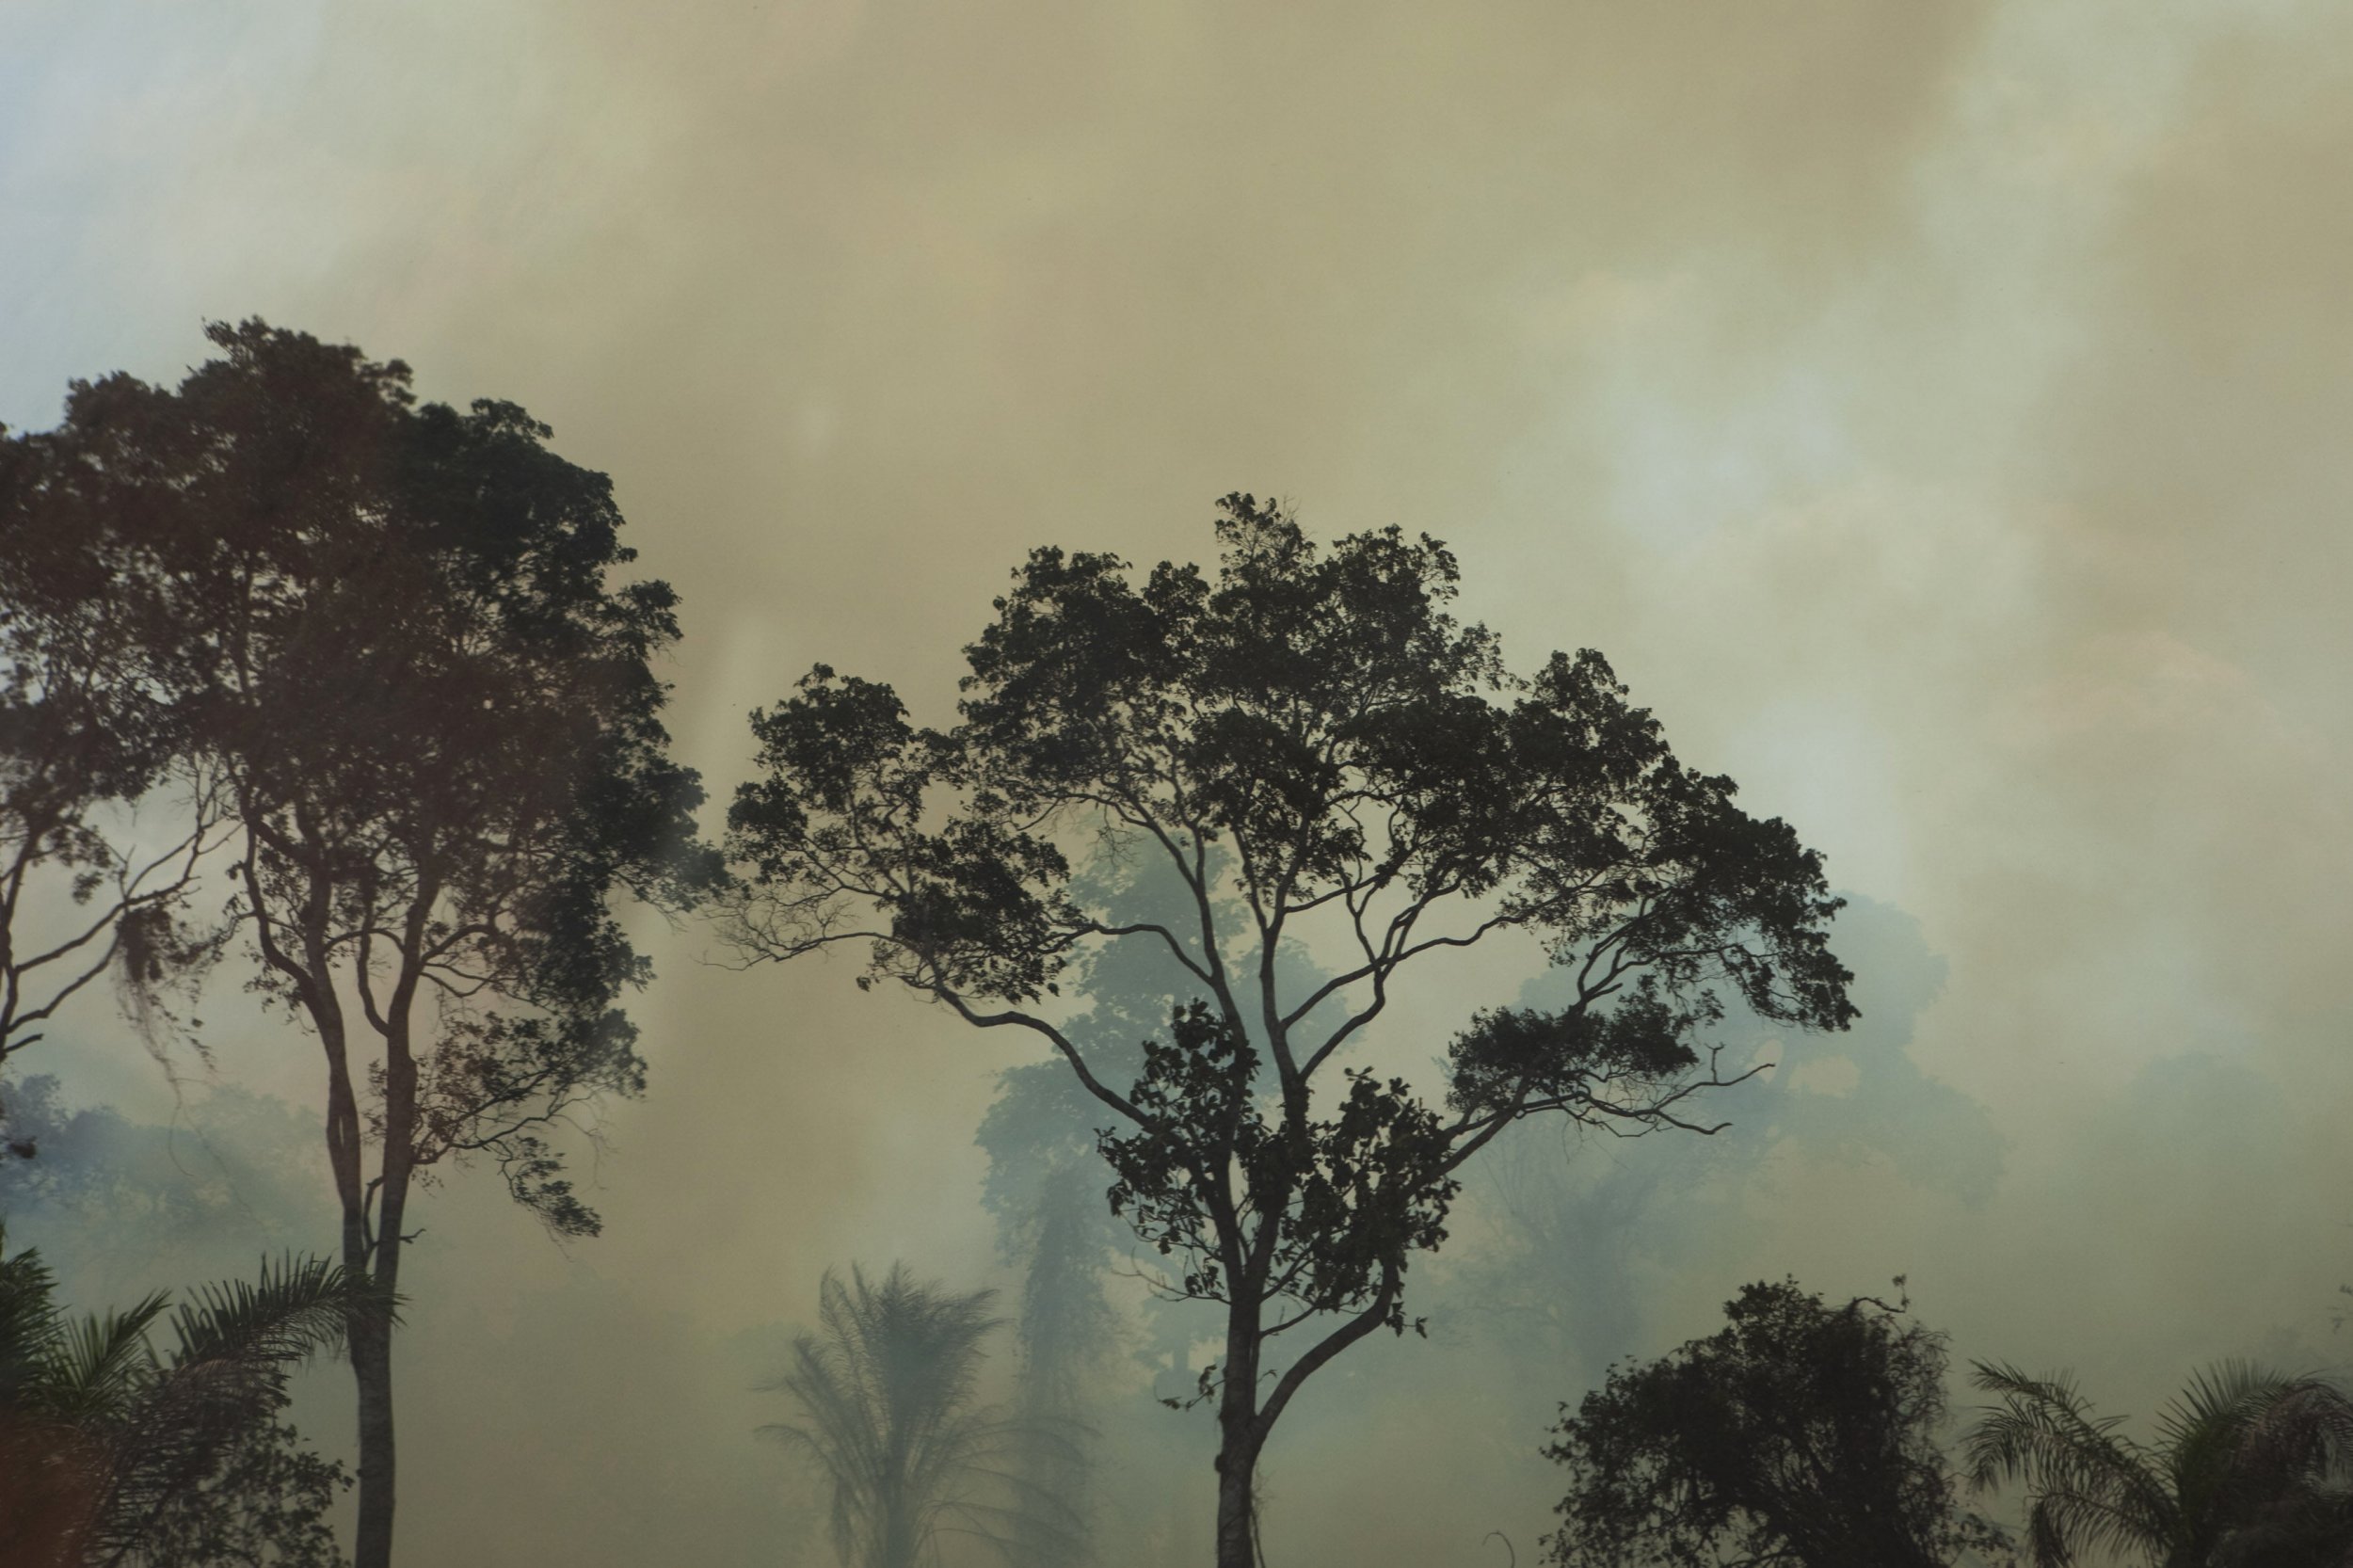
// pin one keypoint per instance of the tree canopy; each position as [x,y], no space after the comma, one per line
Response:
[1323,756]
[86,734]
[401,640]
[1801,1435]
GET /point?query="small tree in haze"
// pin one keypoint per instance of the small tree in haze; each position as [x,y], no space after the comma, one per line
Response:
[1067,1332]
[395,636]
[1320,754]
[888,1414]
[1801,1436]
[2251,1469]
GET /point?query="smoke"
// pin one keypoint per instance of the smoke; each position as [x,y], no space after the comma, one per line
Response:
[1933,410]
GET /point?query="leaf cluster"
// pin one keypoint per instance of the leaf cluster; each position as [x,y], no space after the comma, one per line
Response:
[116,1451]
[1802,1434]
[1342,1200]
[2251,1467]
[86,734]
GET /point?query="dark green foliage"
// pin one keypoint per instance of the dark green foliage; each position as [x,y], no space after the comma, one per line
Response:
[1315,751]
[113,1452]
[1802,1434]
[1367,1186]
[266,1505]
[2251,1469]
[390,629]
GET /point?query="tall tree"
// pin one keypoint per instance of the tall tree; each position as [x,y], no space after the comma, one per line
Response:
[890,1415]
[2251,1469]
[1803,1435]
[1321,754]
[399,638]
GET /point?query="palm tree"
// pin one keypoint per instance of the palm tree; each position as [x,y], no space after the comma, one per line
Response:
[2250,1470]
[887,1394]
[101,1438]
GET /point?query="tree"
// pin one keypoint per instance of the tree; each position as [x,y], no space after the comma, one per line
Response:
[2251,1469]
[111,1453]
[82,737]
[397,637]
[1321,754]
[1801,1435]
[886,1412]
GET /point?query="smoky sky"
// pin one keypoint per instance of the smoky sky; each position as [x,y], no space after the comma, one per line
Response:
[1934,410]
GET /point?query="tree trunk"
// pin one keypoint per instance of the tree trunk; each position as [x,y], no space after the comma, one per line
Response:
[1240,1439]
[372,1351]
[1237,1515]
[371,1338]
[371,1347]
[372,1366]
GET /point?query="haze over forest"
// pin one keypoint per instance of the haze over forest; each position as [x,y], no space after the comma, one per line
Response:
[1934,411]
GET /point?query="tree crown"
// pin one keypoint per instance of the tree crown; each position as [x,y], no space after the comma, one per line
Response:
[1802,1434]
[1314,729]
[401,636]
[1322,762]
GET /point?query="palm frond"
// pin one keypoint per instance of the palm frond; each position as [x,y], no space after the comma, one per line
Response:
[31,1326]
[98,1365]
[2252,1467]
[2088,1485]
[236,1343]
[289,1312]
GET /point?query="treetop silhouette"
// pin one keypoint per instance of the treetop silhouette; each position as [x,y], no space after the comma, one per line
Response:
[399,639]
[1322,753]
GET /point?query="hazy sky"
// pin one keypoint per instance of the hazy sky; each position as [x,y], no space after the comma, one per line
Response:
[1935,410]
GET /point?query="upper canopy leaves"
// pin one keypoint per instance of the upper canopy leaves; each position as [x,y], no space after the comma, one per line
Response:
[1317,714]
[395,633]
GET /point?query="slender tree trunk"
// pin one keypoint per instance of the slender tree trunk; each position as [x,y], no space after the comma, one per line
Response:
[372,1369]
[372,1348]
[1237,1500]
[366,1255]
[1240,1437]
[377,1258]
[372,1366]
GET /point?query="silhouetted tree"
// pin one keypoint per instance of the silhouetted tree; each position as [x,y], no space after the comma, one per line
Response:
[397,637]
[888,1394]
[1801,1436]
[2251,1469]
[1311,742]
[114,1453]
